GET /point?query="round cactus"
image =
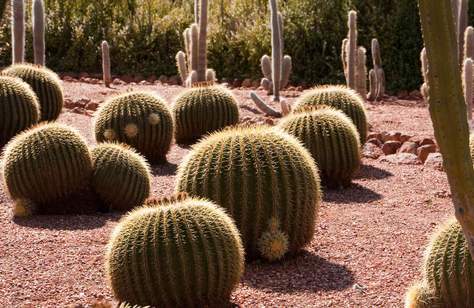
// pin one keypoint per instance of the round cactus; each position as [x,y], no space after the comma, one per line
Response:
[179,254]
[266,180]
[45,83]
[339,97]
[121,177]
[46,164]
[202,110]
[19,108]
[332,140]
[448,272]
[139,119]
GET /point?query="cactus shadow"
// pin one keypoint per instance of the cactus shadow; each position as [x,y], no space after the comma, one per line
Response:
[164,169]
[304,271]
[356,193]
[372,173]
[67,223]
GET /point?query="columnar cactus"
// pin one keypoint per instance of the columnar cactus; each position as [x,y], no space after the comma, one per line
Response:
[339,97]
[202,110]
[139,119]
[424,73]
[107,76]
[121,177]
[192,64]
[265,179]
[379,90]
[38,32]
[468,85]
[46,164]
[332,140]
[448,272]
[181,254]
[469,43]
[19,108]
[18,31]
[352,50]
[361,80]
[45,83]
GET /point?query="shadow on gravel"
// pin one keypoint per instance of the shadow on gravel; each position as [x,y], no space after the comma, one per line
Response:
[67,223]
[164,169]
[354,194]
[372,173]
[302,272]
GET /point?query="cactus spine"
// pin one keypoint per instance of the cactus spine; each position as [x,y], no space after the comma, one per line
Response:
[468,85]
[175,254]
[106,74]
[379,90]
[18,31]
[38,32]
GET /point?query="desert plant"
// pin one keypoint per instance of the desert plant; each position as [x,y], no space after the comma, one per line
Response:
[460,10]
[266,180]
[339,97]
[121,177]
[180,254]
[38,32]
[107,76]
[19,108]
[46,164]
[349,51]
[361,70]
[192,64]
[45,83]
[448,272]
[332,140]
[424,72]
[468,83]
[18,31]
[202,110]
[139,119]
[377,90]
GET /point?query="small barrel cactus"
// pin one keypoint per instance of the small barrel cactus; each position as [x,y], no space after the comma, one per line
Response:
[139,119]
[121,177]
[179,254]
[202,110]
[266,180]
[46,164]
[339,97]
[448,272]
[19,108]
[332,140]
[45,83]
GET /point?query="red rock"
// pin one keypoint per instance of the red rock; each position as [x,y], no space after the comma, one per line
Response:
[92,106]
[435,161]
[151,79]
[404,138]
[255,84]
[401,159]
[118,82]
[237,83]
[68,103]
[391,147]
[408,147]
[370,150]
[375,141]
[426,141]
[163,79]
[247,83]
[391,136]
[424,150]
[269,121]
[374,135]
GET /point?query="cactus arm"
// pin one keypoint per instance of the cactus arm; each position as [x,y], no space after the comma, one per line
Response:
[467,77]
[469,43]
[196,11]
[276,50]
[352,50]
[361,72]
[107,76]
[373,86]
[210,75]
[448,109]
[462,25]
[38,32]
[286,71]
[194,47]
[266,65]
[202,55]
[182,69]
[344,46]
[266,109]
[18,31]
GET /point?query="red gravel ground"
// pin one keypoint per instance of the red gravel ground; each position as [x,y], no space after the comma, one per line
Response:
[366,252]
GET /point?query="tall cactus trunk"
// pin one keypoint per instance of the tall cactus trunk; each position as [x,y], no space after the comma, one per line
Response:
[463,22]
[467,81]
[38,32]
[202,59]
[107,76]
[18,31]
[276,50]
[448,109]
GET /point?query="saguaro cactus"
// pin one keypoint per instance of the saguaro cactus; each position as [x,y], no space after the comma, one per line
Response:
[38,32]
[424,72]
[276,70]
[107,76]
[192,64]
[18,31]
[448,109]
[379,90]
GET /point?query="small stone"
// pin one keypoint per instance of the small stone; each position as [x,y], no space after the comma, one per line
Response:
[391,147]
[68,78]
[370,150]
[375,141]
[424,150]
[143,83]
[415,94]
[247,83]
[68,103]
[92,106]
[401,159]
[269,121]
[391,136]
[374,135]
[118,82]
[426,141]
[409,147]
[435,161]
[404,138]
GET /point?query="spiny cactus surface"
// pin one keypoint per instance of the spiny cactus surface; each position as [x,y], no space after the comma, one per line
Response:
[333,141]
[121,177]
[19,108]
[266,180]
[181,254]
[46,163]
[45,83]
[139,119]
[202,110]
[339,97]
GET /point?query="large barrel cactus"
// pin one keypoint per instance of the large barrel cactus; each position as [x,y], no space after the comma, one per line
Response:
[448,272]
[19,108]
[121,177]
[46,164]
[339,97]
[139,119]
[333,141]
[265,179]
[202,110]
[180,254]
[45,83]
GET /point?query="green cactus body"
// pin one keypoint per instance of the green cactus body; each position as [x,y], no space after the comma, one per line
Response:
[139,119]
[202,110]
[19,108]
[45,83]
[46,164]
[339,97]
[121,177]
[266,180]
[181,254]
[332,140]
